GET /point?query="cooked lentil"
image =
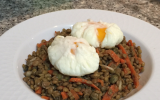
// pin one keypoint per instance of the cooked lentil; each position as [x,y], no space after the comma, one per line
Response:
[41,75]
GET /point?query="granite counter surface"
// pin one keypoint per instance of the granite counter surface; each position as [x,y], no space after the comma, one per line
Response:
[13,12]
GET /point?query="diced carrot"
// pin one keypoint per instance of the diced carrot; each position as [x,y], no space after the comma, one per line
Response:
[130,43]
[84,82]
[140,60]
[97,50]
[122,48]
[101,81]
[114,89]
[135,55]
[80,93]
[44,59]
[113,55]
[136,82]
[140,69]
[40,44]
[133,72]
[74,94]
[117,63]
[64,95]
[126,88]
[110,63]
[122,61]
[106,96]
[50,71]
[45,97]
[39,91]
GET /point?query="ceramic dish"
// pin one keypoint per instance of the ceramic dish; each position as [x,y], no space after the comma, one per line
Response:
[21,40]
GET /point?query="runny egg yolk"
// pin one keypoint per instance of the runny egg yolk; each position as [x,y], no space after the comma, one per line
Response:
[73,50]
[101,34]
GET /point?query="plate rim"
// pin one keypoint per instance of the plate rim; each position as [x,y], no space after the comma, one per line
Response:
[8,33]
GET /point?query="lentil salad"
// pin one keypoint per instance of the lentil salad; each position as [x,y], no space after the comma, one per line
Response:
[117,75]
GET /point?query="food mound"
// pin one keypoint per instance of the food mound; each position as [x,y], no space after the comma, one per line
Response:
[73,56]
[70,68]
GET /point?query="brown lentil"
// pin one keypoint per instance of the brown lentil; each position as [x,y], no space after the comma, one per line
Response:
[36,73]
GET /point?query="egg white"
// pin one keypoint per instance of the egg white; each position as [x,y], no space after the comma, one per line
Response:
[84,61]
[88,31]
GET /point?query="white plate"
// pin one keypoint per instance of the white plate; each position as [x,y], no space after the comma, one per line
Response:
[20,40]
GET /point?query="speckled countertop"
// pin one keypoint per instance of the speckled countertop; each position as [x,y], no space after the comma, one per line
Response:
[13,12]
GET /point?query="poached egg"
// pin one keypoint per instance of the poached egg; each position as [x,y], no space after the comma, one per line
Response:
[98,34]
[73,56]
